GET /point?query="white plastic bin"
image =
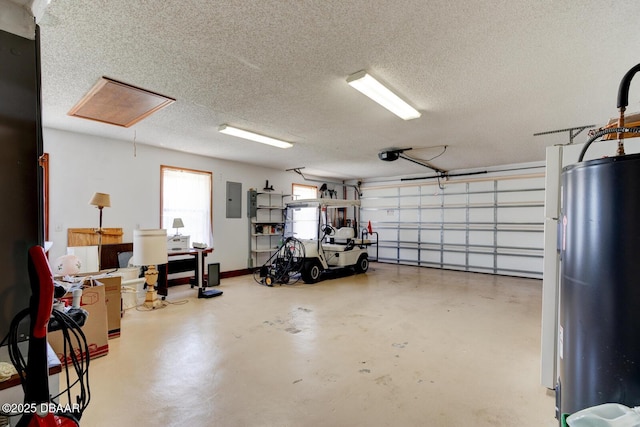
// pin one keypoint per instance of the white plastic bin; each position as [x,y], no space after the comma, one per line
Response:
[606,415]
[132,287]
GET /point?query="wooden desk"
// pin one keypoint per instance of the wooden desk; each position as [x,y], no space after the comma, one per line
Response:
[194,262]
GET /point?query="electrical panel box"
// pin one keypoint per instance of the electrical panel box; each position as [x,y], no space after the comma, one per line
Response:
[234,199]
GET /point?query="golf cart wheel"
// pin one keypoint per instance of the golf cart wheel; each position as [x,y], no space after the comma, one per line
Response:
[312,272]
[268,281]
[363,264]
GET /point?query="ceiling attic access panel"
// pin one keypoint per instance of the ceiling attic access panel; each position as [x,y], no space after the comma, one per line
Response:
[116,103]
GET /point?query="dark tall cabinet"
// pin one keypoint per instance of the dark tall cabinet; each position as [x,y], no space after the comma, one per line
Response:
[21,218]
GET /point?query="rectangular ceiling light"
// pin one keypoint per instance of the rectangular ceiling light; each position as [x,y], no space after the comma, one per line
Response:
[230,130]
[382,95]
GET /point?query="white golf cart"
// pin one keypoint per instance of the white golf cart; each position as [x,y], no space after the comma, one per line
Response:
[329,238]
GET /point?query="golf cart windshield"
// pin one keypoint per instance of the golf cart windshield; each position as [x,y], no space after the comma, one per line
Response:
[305,219]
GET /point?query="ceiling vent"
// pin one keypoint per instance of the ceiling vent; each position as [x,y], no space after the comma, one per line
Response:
[117,103]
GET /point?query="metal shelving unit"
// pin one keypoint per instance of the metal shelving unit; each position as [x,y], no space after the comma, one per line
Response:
[266,225]
[491,225]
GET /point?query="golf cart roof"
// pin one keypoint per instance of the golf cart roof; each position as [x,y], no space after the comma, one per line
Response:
[311,203]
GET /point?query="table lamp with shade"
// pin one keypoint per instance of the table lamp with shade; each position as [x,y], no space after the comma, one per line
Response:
[177,223]
[149,250]
[100,200]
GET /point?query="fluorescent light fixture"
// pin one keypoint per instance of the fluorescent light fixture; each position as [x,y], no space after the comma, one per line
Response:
[230,130]
[382,95]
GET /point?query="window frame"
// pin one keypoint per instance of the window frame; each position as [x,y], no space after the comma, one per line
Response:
[304,222]
[294,185]
[163,168]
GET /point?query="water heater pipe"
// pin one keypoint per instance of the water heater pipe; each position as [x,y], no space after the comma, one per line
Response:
[623,101]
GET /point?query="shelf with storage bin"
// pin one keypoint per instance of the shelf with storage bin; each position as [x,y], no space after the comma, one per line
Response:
[266,225]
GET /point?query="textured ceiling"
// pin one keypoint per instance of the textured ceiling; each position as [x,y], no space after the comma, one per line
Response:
[486,75]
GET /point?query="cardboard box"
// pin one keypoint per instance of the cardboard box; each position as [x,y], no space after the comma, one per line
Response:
[95,328]
[113,297]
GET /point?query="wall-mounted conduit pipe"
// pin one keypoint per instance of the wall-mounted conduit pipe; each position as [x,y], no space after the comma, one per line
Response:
[342,184]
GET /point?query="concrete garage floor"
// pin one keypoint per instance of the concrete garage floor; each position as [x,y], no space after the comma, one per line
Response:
[398,346]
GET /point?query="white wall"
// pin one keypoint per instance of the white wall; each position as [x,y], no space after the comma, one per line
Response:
[82,164]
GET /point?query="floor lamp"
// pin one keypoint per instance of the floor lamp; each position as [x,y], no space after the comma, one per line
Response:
[100,200]
[150,249]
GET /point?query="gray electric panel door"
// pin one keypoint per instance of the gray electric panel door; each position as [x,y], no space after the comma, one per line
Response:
[234,200]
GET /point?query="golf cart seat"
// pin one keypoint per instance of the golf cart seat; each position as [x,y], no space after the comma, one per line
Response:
[341,241]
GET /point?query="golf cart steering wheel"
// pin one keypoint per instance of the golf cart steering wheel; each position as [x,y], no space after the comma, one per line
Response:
[328,230]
